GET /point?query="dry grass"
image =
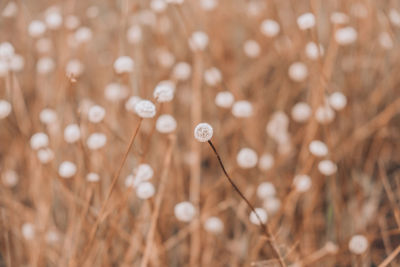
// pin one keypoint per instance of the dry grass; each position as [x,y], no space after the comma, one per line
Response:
[47,220]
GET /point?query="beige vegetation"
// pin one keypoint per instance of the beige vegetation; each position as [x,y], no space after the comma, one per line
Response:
[102,164]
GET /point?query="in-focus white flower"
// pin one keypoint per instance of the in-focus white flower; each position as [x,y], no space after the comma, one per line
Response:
[301,112]
[36,28]
[96,114]
[251,48]
[48,116]
[346,35]
[166,124]
[266,162]
[302,182]
[10,178]
[28,231]
[145,190]
[203,132]
[123,64]
[5,108]
[212,76]
[131,103]
[45,155]
[358,244]
[145,109]
[96,141]
[306,21]
[67,169]
[184,211]
[270,28]
[164,91]
[39,140]
[262,215]
[72,133]
[242,109]
[327,167]
[337,100]
[214,225]
[298,71]
[198,41]
[318,148]
[266,190]
[182,71]
[224,99]
[92,177]
[247,158]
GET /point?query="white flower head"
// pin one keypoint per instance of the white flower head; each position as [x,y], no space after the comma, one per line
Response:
[39,140]
[53,19]
[266,162]
[224,99]
[306,21]
[198,41]
[242,109]
[74,68]
[6,51]
[92,177]
[337,100]
[72,133]
[346,35]
[96,141]
[164,91]
[314,51]
[115,92]
[36,28]
[358,244]
[270,28]
[339,18]
[10,178]
[166,124]
[145,190]
[5,108]
[298,71]
[134,34]
[182,71]
[145,109]
[247,158]
[203,132]
[302,183]
[324,114]
[214,225]
[262,215]
[28,231]
[212,76]
[123,64]
[10,10]
[142,173]
[131,103]
[266,190]
[96,114]
[83,35]
[45,65]
[327,167]
[45,155]
[48,116]
[301,112]
[271,205]
[251,48]
[184,211]
[67,169]
[318,148]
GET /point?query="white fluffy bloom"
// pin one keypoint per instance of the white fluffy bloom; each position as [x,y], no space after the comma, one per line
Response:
[302,182]
[266,162]
[251,48]
[358,244]
[142,173]
[346,35]
[134,34]
[247,158]
[242,109]
[92,177]
[212,76]
[184,211]
[74,68]
[314,51]
[271,205]
[10,178]
[115,92]
[48,116]
[327,167]
[166,124]
[158,5]
[165,58]
[72,133]
[83,35]
[337,100]
[298,71]
[6,51]
[5,108]
[203,132]
[306,21]
[164,91]
[39,140]
[262,215]
[324,114]
[224,99]
[96,141]
[28,231]
[45,155]
[301,112]
[17,63]
[145,190]
[45,65]
[208,5]
[198,41]
[36,28]
[67,169]
[318,148]
[270,28]
[145,109]
[266,190]
[96,114]
[182,71]
[277,126]
[214,225]
[131,103]
[53,20]
[394,17]
[123,64]
[339,18]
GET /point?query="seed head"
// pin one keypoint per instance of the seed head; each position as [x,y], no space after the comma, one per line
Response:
[145,109]
[67,169]
[262,214]
[184,211]
[166,124]
[358,244]
[203,132]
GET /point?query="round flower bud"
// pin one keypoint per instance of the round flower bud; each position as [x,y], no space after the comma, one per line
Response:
[6,51]
[302,183]
[115,92]
[96,114]
[134,34]
[358,244]
[182,71]
[39,140]
[5,109]
[166,124]
[337,100]
[48,116]
[198,41]
[142,173]
[242,109]
[164,91]
[262,215]
[131,103]
[96,141]
[266,190]
[145,190]
[92,177]
[247,158]
[318,148]
[339,18]
[324,114]
[203,132]
[184,211]
[10,178]
[123,64]
[298,72]
[251,48]
[83,35]
[327,167]
[53,20]
[346,35]
[45,65]
[271,205]
[28,231]
[224,99]
[266,162]
[145,109]
[74,68]
[301,112]
[212,76]
[72,133]
[45,155]
[214,225]
[306,21]
[36,28]
[270,28]
[67,169]
[314,51]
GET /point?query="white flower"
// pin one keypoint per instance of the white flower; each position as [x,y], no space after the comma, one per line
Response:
[262,215]
[72,133]
[224,99]
[67,169]
[96,141]
[306,21]
[214,225]
[247,158]
[6,50]
[314,51]
[394,17]
[327,167]
[96,114]
[53,20]
[10,10]
[48,116]
[28,231]
[358,244]
[115,92]
[198,41]
[266,162]
[17,63]
[72,22]
[5,108]
[212,76]
[337,100]
[45,65]
[74,68]
[324,114]
[145,109]
[266,190]
[39,140]
[318,148]
[301,112]
[83,35]
[302,182]
[166,124]
[203,132]
[36,28]
[298,72]
[242,109]
[52,237]
[182,71]
[270,28]
[184,211]
[142,173]
[208,5]
[251,48]
[164,91]
[123,64]
[134,34]
[45,155]
[131,103]
[346,35]
[339,18]
[10,178]
[271,205]
[145,190]
[92,177]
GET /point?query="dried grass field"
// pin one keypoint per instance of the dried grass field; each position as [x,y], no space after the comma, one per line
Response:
[200,133]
